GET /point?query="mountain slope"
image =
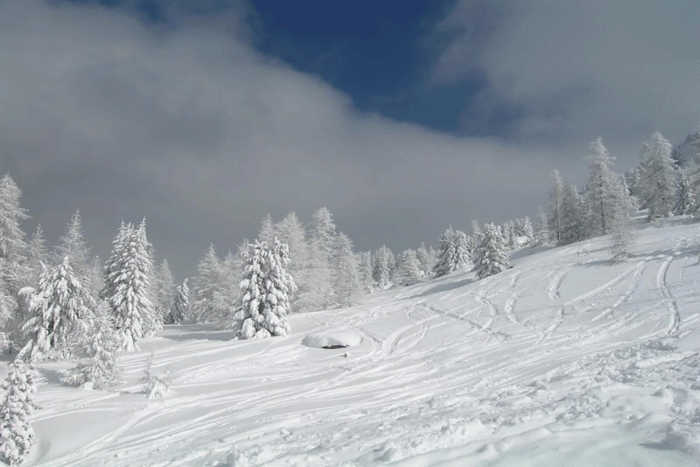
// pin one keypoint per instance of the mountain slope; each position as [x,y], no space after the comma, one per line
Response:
[565,359]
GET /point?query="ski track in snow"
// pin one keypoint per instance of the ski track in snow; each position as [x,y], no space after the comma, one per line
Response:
[561,348]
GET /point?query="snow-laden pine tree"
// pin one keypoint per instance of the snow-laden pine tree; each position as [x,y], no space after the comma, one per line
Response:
[181,307]
[686,203]
[291,231]
[604,196]
[658,177]
[556,198]
[73,245]
[127,287]
[574,216]
[98,369]
[453,253]
[267,229]
[364,259]
[491,256]
[37,253]
[381,267]
[16,433]
[323,240]
[426,259]
[265,292]
[62,313]
[408,270]
[13,246]
[524,232]
[541,229]
[347,287]
[163,291]
[214,298]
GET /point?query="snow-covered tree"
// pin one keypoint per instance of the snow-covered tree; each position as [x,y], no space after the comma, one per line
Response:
[13,246]
[408,270]
[347,285]
[291,231]
[267,229]
[181,306]
[214,298]
[524,233]
[382,267]
[541,229]
[98,369]
[685,203]
[364,259]
[453,253]
[556,198]
[491,256]
[16,433]
[265,291]
[74,246]
[61,309]
[426,258]
[37,253]
[322,245]
[163,291]
[658,177]
[603,194]
[573,217]
[127,287]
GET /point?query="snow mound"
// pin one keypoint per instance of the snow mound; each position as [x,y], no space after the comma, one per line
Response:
[332,340]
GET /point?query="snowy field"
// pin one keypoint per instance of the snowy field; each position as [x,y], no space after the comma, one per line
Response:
[564,360]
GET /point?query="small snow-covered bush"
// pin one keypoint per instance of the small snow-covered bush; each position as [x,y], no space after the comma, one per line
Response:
[16,434]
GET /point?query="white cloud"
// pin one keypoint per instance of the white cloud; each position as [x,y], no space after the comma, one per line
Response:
[620,69]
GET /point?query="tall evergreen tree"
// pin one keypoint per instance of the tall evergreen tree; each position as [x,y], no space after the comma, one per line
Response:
[604,194]
[214,298]
[16,433]
[265,292]
[74,246]
[291,231]
[181,307]
[163,291]
[453,254]
[62,312]
[658,177]
[686,203]
[426,258]
[556,198]
[573,217]
[98,369]
[127,287]
[267,229]
[364,259]
[491,256]
[409,268]
[322,245]
[347,285]
[381,267]
[37,253]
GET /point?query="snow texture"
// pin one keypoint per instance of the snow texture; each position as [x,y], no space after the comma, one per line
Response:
[566,359]
[333,340]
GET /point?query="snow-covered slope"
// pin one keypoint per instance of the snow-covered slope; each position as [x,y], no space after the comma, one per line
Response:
[565,359]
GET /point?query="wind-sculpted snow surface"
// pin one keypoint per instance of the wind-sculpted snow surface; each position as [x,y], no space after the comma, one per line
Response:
[565,359]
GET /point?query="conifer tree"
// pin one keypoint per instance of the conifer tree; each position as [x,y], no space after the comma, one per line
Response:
[16,433]
[381,267]
[556,198]
[322,246]
[214,298]
[573,217]
[98,369]
[409,268]
[658,177]
[426,258]
[61,309]
[265,291]
[364,259]
[13,246]
[291,231]
[686,203]
[127,287]
[347,285]
[181,307]
[37,253]
[453,254]
[163,291]
[267,229]
[604,195]
[75,247]
[491,256]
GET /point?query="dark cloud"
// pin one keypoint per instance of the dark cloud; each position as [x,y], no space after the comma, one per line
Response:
[193,129]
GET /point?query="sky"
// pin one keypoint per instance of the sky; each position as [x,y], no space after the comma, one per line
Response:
[401,117]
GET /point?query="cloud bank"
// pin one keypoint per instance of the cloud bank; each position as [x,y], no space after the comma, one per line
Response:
[194,129]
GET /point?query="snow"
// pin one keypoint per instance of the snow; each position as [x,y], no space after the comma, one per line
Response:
[335,339]
[565,359]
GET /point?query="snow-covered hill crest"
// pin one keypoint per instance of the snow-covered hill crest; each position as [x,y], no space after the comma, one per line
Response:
[565,359]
